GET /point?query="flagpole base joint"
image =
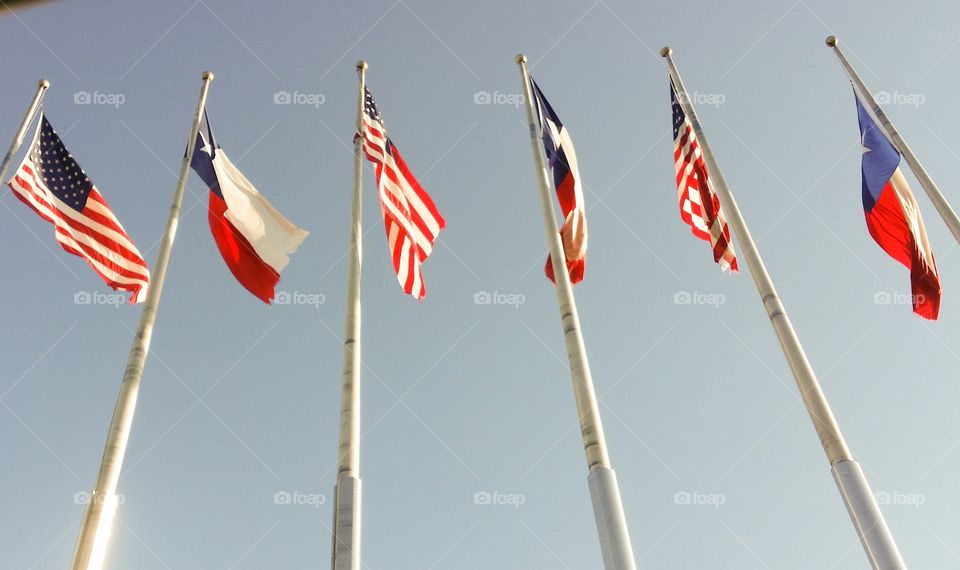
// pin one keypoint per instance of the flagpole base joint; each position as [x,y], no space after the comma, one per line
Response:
[346,523]
[611,522]
[862,506]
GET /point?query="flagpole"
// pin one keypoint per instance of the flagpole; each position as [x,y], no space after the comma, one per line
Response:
[874,534]
[345,553]
[948,214]
[604,491]
[22,131]
[91,547]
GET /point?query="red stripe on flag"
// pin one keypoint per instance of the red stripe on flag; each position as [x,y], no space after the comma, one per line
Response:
[63,228]
[246,266]
[892,232]
[78,226]
[409,214]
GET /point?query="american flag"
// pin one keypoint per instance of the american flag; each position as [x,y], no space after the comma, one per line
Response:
[699,204]
[410,217]
[52,183]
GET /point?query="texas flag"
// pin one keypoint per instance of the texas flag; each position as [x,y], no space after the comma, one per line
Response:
[254,239]
[562,161]
[893,216]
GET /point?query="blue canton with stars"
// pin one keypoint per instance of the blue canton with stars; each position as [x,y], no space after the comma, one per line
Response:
[370,108]
[678,116]
[880,158]
[59,171]
[554,149]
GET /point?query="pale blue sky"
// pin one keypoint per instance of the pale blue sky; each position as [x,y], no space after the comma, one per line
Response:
[239,400]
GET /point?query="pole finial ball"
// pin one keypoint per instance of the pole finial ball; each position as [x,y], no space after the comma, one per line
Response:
[44,84]
[362,65]
[208,75]
[521,58]
[832,41]
[666,51]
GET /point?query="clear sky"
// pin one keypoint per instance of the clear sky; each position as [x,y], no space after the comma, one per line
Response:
[239,400]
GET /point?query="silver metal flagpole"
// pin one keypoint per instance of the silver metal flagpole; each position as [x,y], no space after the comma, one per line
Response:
[604,491]
[95,529]
[22,131]
[929,186]
[345,553]
[871,527]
